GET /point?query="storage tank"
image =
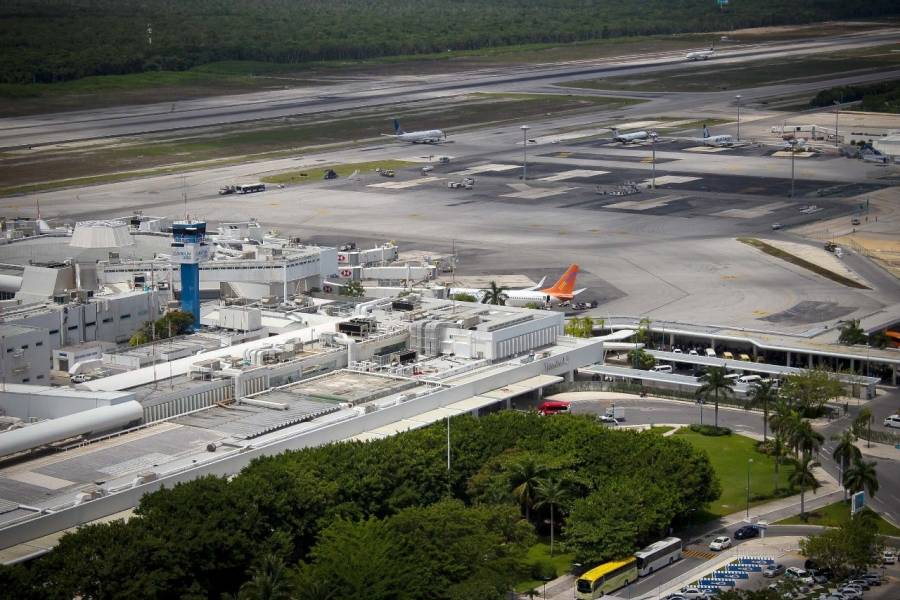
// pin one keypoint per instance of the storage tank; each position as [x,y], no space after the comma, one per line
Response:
[95,420]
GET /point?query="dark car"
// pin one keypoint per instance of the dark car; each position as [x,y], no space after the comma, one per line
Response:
[746,532]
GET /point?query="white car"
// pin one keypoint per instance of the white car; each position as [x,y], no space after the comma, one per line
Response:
[720,543]
[889,557]
[800,575]
[851,592]
[692,593]
[892,421]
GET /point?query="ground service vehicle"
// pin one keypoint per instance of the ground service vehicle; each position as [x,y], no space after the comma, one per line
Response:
[892,421]
[606,578]
[657,555]
[553,407]
[247,188]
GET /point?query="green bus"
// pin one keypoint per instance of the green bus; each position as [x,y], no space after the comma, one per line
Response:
[606,578]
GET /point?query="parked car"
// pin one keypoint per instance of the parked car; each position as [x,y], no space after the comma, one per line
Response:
[851,592]
[777,226]
[720,543]
[692,593]
[860,583]
[799,574]
[773,570]
[889,557]
[746,532]
[872,578]
[892,421]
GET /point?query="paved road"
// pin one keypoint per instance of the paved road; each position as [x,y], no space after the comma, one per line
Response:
[83,125]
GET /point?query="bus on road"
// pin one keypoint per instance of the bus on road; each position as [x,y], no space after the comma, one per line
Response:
[658,555]
[606,578]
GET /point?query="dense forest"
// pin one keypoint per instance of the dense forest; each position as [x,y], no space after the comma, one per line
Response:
[386,520]
[883,96]
[57,40]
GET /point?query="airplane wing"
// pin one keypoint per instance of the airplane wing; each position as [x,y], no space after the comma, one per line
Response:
[576,292]
[536,286]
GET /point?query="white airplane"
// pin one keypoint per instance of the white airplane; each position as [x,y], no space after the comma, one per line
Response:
[716,140]
[432,136]
[627,138]
[701,54]
[562,291]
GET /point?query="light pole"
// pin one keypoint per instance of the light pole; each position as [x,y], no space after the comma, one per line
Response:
[524,152]
[653,162]
[749,464]
[837,112]
[738,98]
[448,444]
[793,151]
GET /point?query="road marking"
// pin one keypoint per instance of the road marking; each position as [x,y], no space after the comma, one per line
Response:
[699,554]
[400,185]
[573,174]
[488,168]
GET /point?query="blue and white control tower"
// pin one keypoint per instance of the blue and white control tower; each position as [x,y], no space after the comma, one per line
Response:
[189,249]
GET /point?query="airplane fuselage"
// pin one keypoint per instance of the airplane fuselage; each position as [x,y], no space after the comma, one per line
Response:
[432,136]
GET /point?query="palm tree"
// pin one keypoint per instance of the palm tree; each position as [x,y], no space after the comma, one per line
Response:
[861,476]
[495,295]
[863,421]
[762,394]
[784,420]
[777,454]
[852,333]
[845,453]
[805,440]
[803,476]
[553,492]
[269,582]
[523,480]
[714,383]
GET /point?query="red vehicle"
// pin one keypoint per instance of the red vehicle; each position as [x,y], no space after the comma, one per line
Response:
[553,407]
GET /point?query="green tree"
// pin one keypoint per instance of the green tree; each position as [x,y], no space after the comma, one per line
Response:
[810,390]
[879,339]
[139,338]
[852,334]
[554,493]
[641,359]
[805,440]
[495,295]
[361,559]
[643,335]
[715,383]
[803,478]
[580,327]
[854,545]
[524,475]
[763,394]
[464,297]
[845,453]
[354,289]
[269,581]
[862,425]
[861,476]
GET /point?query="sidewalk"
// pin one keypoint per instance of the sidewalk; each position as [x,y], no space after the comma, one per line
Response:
[878,450]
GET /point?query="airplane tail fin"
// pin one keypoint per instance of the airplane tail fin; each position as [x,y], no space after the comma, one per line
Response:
[566,284]
[705,131]
[397,129]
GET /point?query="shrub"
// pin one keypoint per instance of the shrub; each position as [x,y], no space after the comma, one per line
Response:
[710,430]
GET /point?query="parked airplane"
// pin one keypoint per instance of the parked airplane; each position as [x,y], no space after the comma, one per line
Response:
[561,291]
[716,140]
[701,54]
[627,138]
[432,136]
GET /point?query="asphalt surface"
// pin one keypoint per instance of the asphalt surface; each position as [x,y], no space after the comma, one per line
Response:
[84,125]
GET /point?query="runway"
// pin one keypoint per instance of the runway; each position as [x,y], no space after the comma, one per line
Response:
[132,120]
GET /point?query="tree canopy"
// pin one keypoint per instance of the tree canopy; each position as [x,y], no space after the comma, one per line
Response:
[386,515]
[57,40]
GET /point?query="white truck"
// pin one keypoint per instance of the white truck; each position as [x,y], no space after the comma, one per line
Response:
[616,412]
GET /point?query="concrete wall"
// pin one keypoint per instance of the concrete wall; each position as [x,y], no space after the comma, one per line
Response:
[25,355]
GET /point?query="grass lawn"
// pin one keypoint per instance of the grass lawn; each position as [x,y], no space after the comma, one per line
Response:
[316,173]
[730,457]
[796,260]
[660,429]
[539,553]
[834,515]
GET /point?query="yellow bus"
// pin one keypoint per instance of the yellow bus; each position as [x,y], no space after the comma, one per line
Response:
[606,578]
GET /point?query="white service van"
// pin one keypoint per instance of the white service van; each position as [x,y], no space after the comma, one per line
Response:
[662,368]
[710,353]
[748,379]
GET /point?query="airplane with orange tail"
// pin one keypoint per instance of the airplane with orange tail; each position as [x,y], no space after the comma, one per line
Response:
[561,291]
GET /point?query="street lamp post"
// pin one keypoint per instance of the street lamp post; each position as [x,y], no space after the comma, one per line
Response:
[738,98]
[749,464]
[837,112]
[653,162]
[524,152]
[793,151]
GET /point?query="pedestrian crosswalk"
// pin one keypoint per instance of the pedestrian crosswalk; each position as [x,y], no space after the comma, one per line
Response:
[698,554]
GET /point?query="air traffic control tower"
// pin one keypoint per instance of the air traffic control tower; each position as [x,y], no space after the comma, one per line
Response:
[189,249]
